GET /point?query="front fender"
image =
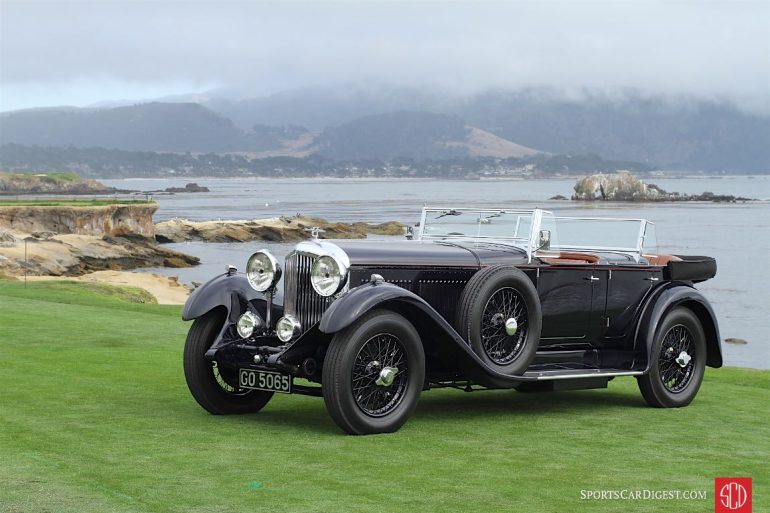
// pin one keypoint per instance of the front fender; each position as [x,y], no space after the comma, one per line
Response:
[231,291]
[356,302]
[669,296]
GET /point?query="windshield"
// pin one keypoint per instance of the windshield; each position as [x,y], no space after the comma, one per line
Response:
[507,225]
[600,234]
[539,232]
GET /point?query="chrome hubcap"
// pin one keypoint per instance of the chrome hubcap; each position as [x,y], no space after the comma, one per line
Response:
[387,375]
[511,326]
[683,359]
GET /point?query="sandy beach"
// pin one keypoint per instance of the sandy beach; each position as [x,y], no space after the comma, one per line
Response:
[167,290]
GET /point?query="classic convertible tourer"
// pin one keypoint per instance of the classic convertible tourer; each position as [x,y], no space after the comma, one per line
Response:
[473,299]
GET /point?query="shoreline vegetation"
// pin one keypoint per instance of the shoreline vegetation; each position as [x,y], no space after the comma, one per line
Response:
[68,183]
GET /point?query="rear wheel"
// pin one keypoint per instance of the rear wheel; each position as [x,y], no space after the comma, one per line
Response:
[499,316]
[678,361]
[215,388]
[373,374]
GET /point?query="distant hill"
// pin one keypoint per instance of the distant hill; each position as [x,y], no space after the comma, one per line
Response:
[682,133]
[415,135]
[189,127]
[672,133]
[172,127]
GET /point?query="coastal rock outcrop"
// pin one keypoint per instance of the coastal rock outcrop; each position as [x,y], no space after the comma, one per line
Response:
[109,220]
[190,187]
[74,240]
[279,229]
[51,183]
[624,186]
[75,255]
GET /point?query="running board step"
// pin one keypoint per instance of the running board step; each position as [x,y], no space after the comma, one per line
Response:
[551,375]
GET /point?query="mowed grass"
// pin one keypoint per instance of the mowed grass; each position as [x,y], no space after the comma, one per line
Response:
[95,416]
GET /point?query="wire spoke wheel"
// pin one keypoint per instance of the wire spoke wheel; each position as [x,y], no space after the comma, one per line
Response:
[504,305]
[677,358]
[380,375]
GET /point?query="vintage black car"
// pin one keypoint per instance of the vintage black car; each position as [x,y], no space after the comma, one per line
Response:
[474,299]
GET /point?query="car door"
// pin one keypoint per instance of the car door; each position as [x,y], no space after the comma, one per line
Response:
[568,294]
[627,286]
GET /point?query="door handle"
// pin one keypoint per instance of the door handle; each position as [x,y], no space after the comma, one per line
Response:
[652,278]
[592,278]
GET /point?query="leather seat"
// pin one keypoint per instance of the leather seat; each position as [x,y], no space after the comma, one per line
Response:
[569,257]
[661,260]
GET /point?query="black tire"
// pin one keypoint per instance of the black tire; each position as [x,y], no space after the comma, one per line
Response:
[215,390]
[669,384]
[491,297]
[356,403]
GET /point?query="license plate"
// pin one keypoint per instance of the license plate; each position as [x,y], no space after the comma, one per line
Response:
[264,380]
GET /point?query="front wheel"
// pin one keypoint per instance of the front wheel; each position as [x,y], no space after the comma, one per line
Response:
[373,374]
[215,389]
[678,361]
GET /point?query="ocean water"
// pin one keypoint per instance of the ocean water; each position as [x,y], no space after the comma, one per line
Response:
[737,235]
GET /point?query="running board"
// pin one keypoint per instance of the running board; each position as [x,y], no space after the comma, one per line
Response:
[551,375]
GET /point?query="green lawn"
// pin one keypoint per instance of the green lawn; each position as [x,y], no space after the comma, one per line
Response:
[70,202]
[95,417]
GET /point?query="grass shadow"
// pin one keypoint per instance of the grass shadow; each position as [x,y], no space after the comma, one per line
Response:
[455,404]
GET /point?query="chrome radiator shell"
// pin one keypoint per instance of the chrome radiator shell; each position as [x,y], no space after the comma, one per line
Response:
[300,300]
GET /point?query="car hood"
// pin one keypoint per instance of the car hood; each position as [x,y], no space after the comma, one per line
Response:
[400,253]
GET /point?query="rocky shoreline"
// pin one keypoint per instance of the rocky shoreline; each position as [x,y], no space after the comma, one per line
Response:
[77,240]
[74,255]
[279,229]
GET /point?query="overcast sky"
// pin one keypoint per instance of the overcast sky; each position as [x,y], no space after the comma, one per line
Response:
[80,53]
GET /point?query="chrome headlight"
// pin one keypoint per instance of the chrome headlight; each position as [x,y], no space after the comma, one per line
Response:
[262,270]
[247,324]
[287,328]
[328,275]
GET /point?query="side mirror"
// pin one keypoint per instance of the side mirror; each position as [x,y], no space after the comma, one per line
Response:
[544,240]
[409,232]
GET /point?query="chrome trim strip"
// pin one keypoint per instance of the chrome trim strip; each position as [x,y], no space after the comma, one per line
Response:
[594,374]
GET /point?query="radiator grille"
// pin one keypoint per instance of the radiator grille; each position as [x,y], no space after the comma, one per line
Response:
[300,300]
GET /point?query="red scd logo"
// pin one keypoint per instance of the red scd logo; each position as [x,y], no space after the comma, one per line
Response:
[732,495]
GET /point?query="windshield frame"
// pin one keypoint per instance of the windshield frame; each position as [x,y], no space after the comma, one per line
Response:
[529,242]
[525,242]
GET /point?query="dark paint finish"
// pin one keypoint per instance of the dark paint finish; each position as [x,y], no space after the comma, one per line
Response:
[232,292]
[606,310]
[360,300]
[566,297]
[431,255]
[663,299]
[217,292]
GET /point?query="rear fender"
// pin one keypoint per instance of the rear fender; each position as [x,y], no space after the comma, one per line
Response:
[669,296]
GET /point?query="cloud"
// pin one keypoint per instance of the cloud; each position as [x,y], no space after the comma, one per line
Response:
[91,51]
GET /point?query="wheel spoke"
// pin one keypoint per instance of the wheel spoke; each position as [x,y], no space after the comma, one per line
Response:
[498,345]
[677,340]
[378,353]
